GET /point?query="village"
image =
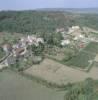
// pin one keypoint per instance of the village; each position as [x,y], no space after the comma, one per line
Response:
[31,59]
[75,38]
[33,56]
[20,50]
[49,50]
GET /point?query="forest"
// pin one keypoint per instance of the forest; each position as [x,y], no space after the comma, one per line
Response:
[31,22]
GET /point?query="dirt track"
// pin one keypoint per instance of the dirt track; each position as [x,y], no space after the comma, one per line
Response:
[57,73]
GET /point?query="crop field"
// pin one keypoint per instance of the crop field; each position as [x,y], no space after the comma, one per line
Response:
[53,72]
[17,87]
[92,47]
[50,71]
[82,60]
[85,58]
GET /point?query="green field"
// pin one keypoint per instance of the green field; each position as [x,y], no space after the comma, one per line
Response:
[82,60]
[16,87]
[85,58]
[92,47]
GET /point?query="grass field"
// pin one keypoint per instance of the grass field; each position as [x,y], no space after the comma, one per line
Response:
[82,60]
[16,87]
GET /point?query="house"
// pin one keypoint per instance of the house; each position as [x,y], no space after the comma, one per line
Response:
[23,42]
[73,28]
[10,60]
[40,40]
[34,40]
[75,31]
[18,52]
[65,42]
[7,48]
[79,36]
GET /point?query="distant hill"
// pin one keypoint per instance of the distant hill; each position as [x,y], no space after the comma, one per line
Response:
[84,10]
[72,10]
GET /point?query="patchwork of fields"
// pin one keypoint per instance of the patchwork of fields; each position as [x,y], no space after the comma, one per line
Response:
[56,73]
[85,58]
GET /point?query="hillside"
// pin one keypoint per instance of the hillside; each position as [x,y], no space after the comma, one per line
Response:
[43,21]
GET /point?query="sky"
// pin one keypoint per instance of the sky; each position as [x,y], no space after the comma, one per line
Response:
[34,4]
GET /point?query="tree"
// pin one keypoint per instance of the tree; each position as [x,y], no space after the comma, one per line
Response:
[37,50]
[57,37]
[48,37]
[81,91]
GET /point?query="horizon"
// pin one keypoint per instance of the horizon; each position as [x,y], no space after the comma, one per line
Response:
[46,4]
[46,9]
